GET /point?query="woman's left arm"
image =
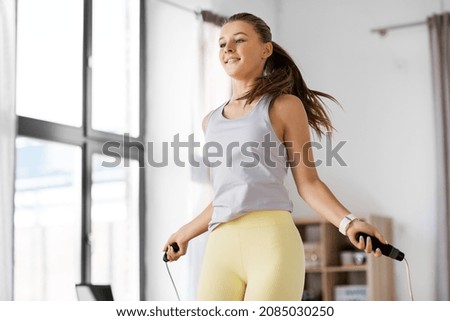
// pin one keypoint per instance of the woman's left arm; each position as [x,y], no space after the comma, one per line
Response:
[288,111]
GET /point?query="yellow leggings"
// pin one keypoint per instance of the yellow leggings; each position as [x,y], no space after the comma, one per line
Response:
[258,257]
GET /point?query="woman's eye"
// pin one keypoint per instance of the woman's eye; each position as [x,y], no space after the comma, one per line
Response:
[239,40]
[221,45]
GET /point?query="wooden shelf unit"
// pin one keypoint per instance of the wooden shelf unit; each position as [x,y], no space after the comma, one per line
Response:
[321,279]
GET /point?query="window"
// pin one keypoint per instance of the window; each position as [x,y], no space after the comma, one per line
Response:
[79,80]
[47,260]
[49,60]
[115,57]
[115,226]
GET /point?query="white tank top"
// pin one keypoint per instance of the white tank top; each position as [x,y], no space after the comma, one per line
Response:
[248,164]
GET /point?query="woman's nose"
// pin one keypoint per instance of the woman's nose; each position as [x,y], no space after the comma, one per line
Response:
[228,48]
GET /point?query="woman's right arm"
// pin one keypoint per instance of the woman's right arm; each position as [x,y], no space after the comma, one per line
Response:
[187,232]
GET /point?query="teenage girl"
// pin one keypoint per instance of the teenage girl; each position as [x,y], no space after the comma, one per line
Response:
[254,251]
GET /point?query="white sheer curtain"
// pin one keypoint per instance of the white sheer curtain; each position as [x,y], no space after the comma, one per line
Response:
[212,87]
[7,139]
[439,30]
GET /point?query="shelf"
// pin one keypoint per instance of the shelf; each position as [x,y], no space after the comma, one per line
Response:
[346,268]
[315,270]
[324,247]
[339,268]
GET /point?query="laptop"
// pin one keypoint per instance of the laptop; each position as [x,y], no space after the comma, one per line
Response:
[91,292]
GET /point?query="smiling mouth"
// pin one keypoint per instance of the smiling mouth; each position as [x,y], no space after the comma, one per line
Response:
[231,60]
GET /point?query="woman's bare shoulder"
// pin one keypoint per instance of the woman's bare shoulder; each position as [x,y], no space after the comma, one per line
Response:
[288,107]
[287,101]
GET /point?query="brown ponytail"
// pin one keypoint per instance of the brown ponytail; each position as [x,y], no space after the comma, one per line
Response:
[282,76]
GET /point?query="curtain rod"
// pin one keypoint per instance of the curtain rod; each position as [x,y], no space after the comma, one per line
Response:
[384,30]
[179,6]
[207,16]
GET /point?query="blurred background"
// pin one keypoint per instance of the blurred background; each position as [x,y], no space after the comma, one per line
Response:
[78,74]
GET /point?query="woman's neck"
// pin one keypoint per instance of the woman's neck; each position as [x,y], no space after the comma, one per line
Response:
[240,88]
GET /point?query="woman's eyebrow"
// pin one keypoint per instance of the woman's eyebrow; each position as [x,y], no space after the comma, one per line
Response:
[237,33]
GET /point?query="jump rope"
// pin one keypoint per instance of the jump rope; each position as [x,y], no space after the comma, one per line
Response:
[165,259]
[386,249]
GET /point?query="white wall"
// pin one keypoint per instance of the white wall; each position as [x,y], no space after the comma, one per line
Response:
[265,9]
[384,85]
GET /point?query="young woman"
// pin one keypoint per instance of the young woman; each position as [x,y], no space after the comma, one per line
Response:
[254,251]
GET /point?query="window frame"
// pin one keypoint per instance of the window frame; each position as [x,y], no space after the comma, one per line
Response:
[91,141]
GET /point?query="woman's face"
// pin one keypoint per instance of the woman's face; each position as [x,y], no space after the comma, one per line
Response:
[242,53]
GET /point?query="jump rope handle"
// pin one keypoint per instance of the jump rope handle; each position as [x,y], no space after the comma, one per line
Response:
[175,247]
[386,249]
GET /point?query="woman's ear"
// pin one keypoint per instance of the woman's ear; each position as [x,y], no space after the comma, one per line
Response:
[268,49]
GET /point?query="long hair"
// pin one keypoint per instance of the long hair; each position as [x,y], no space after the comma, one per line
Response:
[282,76]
